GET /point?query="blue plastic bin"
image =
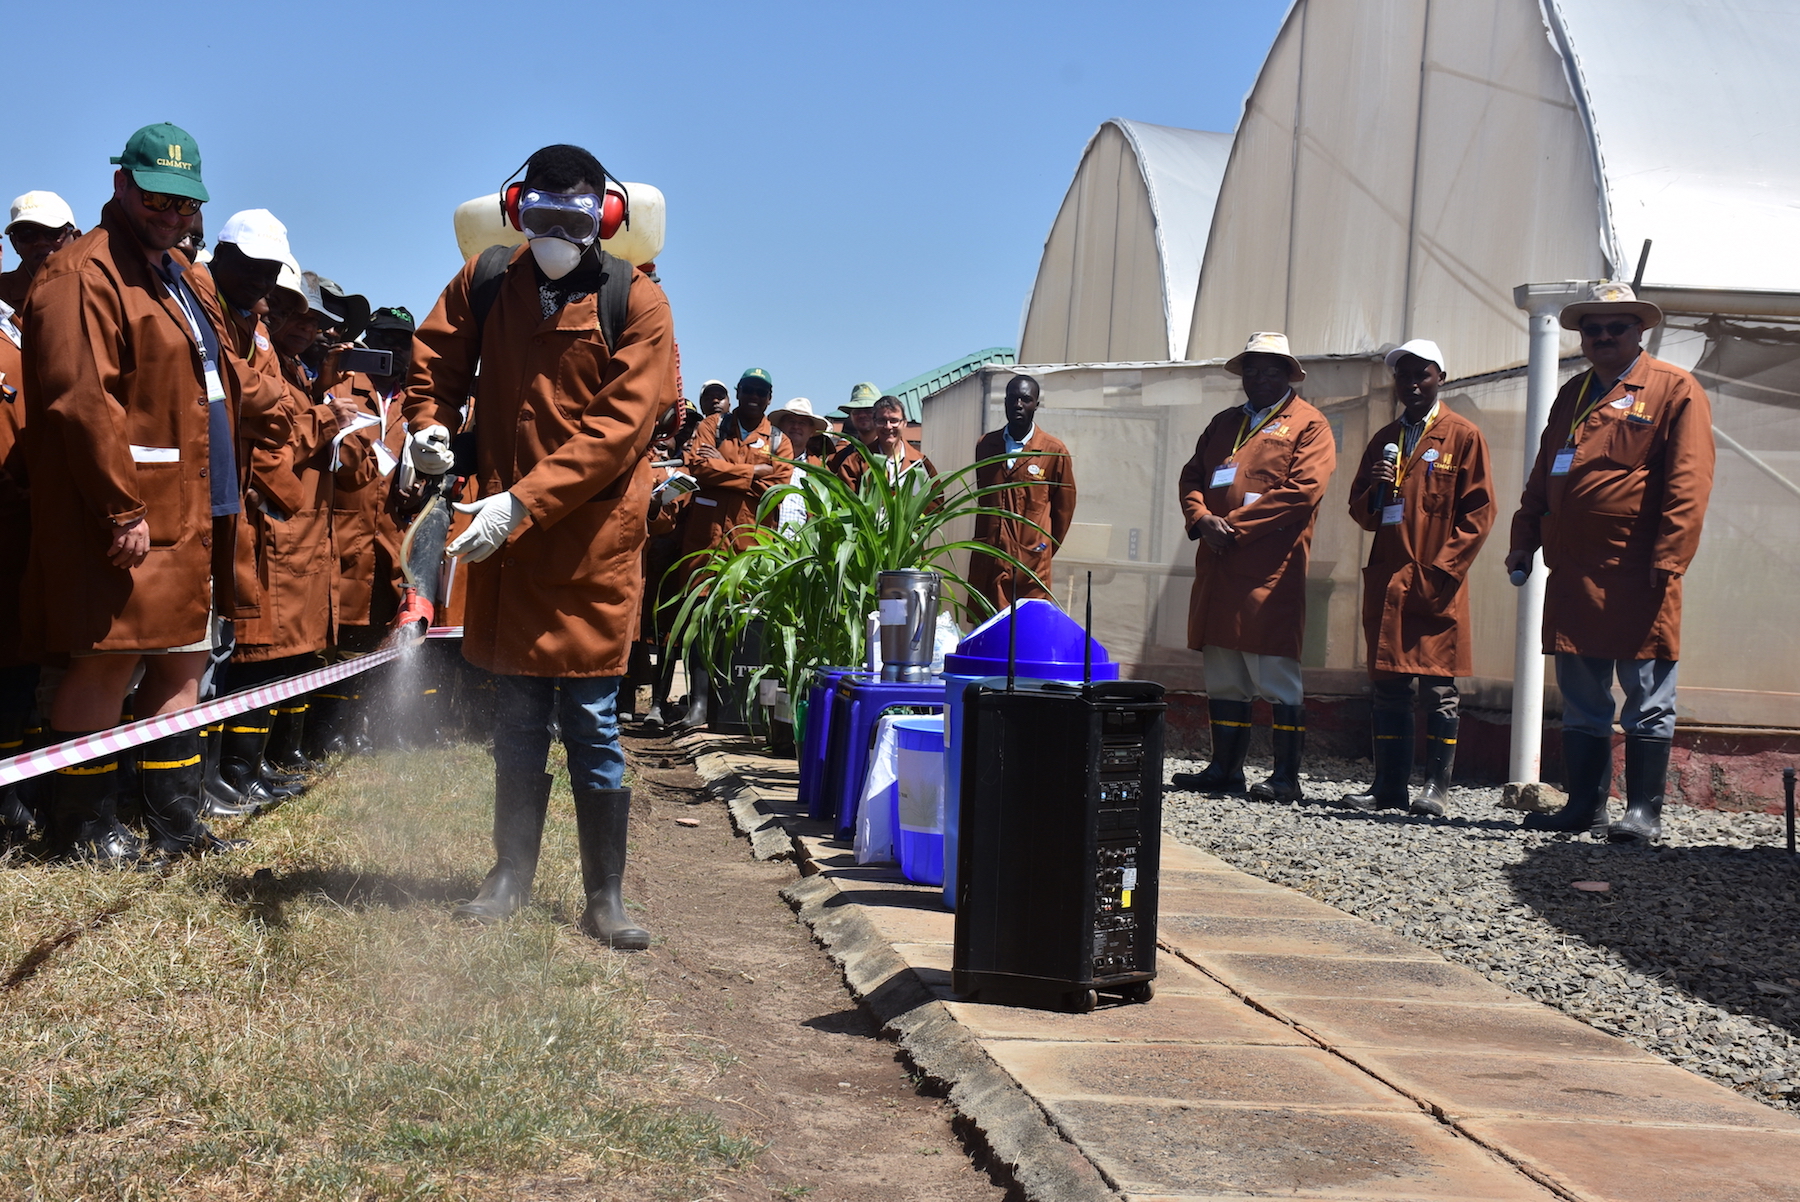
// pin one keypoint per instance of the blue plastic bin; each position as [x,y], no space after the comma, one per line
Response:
[1049,648]
[919,815]
[815,741]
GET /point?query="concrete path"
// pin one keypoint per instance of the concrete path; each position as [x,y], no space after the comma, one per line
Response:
[1292,1050]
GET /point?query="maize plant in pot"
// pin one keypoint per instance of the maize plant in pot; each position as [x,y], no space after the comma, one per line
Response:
[812,582]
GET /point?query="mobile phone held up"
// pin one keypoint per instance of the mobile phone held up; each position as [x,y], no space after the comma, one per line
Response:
[369,363]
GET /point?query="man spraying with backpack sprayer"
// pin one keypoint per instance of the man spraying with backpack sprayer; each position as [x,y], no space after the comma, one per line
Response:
[577,358]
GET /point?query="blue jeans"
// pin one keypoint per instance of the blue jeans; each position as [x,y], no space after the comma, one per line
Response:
[589,717]
[1586,684]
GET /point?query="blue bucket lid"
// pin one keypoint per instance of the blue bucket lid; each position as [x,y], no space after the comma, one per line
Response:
[1050,644]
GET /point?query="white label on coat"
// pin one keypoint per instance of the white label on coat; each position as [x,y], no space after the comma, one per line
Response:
[155,454]
[1564,458]
[1623,402]
[893,611]
[1223,475]
[1251,498]
[1034,469]
[1393,515]
[384,459]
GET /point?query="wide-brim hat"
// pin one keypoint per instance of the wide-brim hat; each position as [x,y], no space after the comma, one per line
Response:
[1267,343]
[353,305]
[803,407]
[1609,296]
[863,396]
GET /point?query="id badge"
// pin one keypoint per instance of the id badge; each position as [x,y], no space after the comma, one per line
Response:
[215,387]
[1564,458]
[1394,514]
[1223,475]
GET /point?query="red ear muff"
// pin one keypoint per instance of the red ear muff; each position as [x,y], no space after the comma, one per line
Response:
[613,212]
[509,204]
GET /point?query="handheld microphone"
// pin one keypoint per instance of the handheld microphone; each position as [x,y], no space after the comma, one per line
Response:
[1384,496]
[1517,576]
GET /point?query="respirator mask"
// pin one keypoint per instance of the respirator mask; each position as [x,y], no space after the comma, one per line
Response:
[561,226]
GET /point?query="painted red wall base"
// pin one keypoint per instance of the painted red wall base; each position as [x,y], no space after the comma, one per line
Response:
[1711,767]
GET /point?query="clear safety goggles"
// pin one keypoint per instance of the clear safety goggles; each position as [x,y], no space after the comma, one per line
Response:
[571,216]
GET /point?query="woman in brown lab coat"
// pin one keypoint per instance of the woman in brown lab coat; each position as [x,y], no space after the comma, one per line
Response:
[1430,506]
[1250,496]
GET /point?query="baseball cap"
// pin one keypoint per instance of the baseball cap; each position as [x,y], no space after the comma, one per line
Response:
[1424,348]
[756,373]
[41,208]
[396,318]
[164,158]
[258,234]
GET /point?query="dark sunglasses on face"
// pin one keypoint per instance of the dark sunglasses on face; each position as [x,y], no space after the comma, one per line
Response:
[1615,328]
[162,202]
[34,234]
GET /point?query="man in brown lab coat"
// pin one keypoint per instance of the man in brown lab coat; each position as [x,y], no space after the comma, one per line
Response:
[562,425]
[1616,500]
[134,397]
[18,663]
[1040,465]
[887,443]
[1250,496]
[1423,490]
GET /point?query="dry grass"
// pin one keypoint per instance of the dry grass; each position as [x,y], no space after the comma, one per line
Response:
[304,1019]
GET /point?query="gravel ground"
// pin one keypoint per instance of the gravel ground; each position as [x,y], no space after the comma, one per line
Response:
[1692,953]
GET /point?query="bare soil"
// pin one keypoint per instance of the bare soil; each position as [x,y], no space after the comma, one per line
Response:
[800,1065]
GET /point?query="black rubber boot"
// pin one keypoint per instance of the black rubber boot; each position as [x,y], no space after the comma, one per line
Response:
[1392,752]
[286,733]
[1587,773]
[699,698]
[81,816]
[241,763]
[661,708]
[601,819]
[520,802]
[1230,722]
[282,784]
[171,774]
[1440,762]
[325,735]
[1646,782]
[218,799]
[1289,737]
[16,818]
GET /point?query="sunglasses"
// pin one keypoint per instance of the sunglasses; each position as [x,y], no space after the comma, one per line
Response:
[162,202]
[1615,328]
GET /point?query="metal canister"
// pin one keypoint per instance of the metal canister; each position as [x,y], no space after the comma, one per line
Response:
[908,603]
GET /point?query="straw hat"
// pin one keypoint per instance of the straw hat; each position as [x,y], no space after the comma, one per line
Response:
[1610,297]
[1267,344]
[800,405]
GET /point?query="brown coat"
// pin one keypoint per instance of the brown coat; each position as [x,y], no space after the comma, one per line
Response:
[564,424]
[365,534]
[1252,596]
[1633,500]
[15,506]
[1415,608]
[724,506]
[1049,501]
[111,364]
[851,467]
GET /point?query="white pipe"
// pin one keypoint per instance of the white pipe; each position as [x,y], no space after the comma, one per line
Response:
[1543,302]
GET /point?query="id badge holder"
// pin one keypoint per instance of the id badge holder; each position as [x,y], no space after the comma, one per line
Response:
[1223,475]
[1393,514]
[1564,458]
[215,387]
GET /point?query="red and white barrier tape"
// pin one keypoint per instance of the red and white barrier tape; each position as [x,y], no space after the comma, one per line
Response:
[136,734]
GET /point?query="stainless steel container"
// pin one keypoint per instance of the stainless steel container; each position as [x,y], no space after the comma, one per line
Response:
[908,603]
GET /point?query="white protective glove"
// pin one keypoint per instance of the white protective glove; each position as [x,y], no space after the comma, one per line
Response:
[496,517]
[430,451]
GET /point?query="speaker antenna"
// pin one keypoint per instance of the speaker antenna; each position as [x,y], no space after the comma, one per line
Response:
[1087,635]
[1012,636]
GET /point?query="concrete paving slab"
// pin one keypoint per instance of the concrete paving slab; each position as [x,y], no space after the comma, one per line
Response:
[912,924]
[1203,1149]
[1176,977]
[1452,1027]
[1344,977]
[1265,1076]
[1600,1162]
[1464,1085]
[1181,856]
[1239,903]
[1175,1019]
[1216,880]
[1198,934]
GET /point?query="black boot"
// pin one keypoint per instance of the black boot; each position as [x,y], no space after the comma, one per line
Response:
[172,777]
[282,784]
[16,818]
[699,698]
[80,814]
[520,802]
[601,819]
[661,709]
[1440,761]
[1230,741]
[1393,755]
[1587,774]
[286,734]
[218,799]
[325,735]
[241,762]
[1289,737]
[1646,781]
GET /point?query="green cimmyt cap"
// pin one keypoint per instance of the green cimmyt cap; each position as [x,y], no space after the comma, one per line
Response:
[756,373]
[863,396]
[164,158]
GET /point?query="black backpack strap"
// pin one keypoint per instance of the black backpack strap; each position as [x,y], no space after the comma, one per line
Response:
[484,288]
[615,299]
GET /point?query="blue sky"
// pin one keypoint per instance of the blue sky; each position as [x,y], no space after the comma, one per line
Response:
[856,192]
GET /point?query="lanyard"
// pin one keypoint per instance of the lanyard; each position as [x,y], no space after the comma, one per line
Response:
[1246,432]
[1407,452]
[1583,414]
[178,292]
